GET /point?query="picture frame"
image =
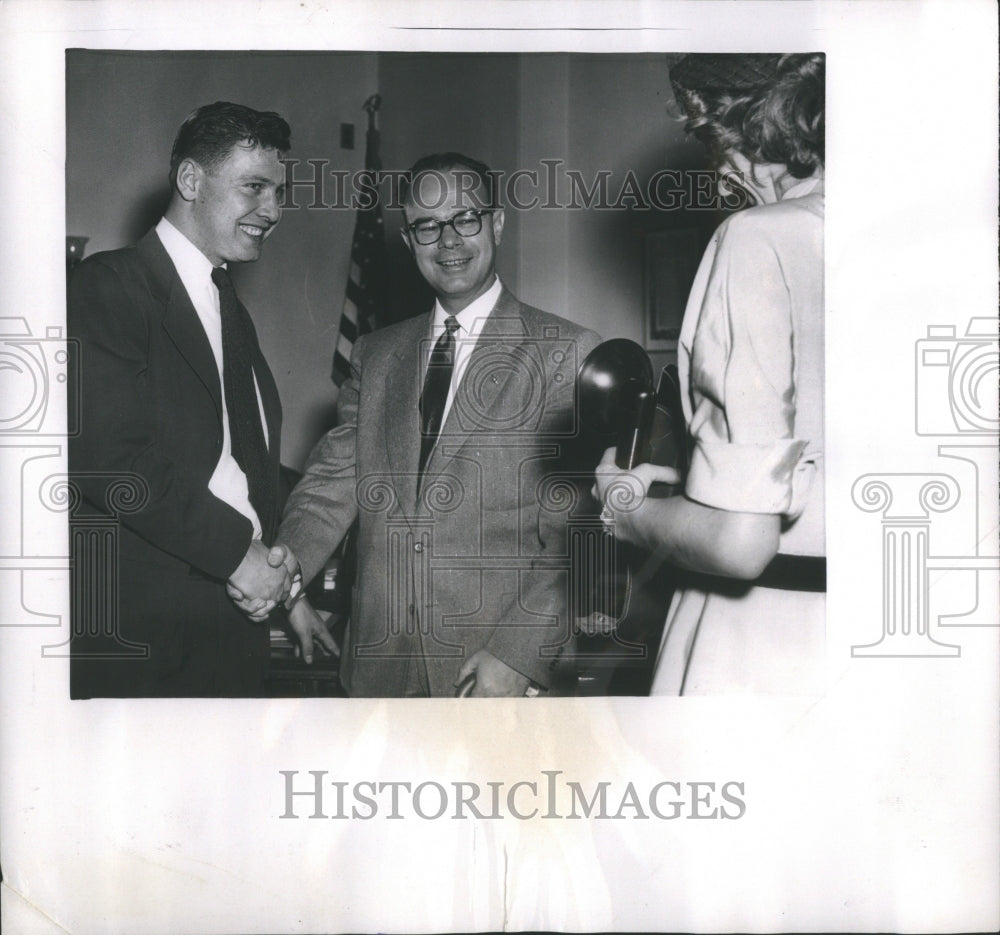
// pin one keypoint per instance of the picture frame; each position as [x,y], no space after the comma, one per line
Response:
[670,262]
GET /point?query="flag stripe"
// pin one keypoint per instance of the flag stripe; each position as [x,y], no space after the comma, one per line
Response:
[348,329]
[365,290]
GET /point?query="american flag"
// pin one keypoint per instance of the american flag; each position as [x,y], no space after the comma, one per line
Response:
[365,293]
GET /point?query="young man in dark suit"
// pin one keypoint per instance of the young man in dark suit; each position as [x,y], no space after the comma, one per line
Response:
[178,403]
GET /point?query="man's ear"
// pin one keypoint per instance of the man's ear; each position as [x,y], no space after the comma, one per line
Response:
[189,175]
[497,219]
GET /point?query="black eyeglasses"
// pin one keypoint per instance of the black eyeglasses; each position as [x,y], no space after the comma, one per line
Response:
[466,224]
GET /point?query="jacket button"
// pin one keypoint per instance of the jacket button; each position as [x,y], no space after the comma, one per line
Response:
[419,547]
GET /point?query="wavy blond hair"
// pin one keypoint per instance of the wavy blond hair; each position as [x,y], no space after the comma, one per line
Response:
[781,119]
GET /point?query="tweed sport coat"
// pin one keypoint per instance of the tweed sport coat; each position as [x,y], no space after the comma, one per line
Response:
[475,554]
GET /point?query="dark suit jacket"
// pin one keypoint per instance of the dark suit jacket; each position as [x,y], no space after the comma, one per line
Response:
[151,407]
[477,558]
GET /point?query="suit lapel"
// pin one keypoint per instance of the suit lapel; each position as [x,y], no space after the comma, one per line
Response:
[489,369]
[184,327]
[402,417]
[180,320]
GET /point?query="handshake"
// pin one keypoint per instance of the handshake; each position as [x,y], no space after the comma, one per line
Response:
[268,577]
[264,579]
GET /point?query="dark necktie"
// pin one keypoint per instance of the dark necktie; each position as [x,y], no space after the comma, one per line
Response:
[437,381]
[245,430]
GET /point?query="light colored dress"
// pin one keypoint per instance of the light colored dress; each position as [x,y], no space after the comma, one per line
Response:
[751,358]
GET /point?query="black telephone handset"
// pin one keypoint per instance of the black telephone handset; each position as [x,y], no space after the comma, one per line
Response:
[615,384]
[633,446]
[668,439]
[617,401]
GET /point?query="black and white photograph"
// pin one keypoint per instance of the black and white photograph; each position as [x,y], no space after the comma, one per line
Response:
[458,476]
[485,545]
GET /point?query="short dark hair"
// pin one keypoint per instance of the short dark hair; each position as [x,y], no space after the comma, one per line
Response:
[769,107]
[209,134]
[440,163]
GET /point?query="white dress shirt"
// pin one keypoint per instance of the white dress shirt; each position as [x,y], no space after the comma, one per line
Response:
[228,482]
[471,321]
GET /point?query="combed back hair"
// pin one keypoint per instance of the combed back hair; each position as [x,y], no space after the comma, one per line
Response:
[441,164]
[209,134]
[772,111]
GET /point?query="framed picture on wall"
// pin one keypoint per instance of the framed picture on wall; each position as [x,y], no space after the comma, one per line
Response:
[670,263]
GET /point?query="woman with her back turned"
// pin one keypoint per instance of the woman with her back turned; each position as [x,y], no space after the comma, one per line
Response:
[748,530]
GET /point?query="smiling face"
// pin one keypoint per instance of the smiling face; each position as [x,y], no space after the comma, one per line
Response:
[231,209]
[459,269]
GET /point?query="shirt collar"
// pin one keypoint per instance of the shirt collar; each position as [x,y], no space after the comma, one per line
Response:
[805,187]
[192,265]
[473,317]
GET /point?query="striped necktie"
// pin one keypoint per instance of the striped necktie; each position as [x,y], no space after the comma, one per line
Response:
[437,382]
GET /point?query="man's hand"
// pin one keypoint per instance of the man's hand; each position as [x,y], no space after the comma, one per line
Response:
[282,555]
[309,628]
[264,579]
[493,678]
[622,493]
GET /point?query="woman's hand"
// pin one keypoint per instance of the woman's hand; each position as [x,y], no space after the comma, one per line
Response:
[685,533]
[623,493]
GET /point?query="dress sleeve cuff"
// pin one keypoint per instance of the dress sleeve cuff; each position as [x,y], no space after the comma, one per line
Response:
[746,478]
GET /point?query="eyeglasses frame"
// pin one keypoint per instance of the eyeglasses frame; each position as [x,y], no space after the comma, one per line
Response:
[449,222]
